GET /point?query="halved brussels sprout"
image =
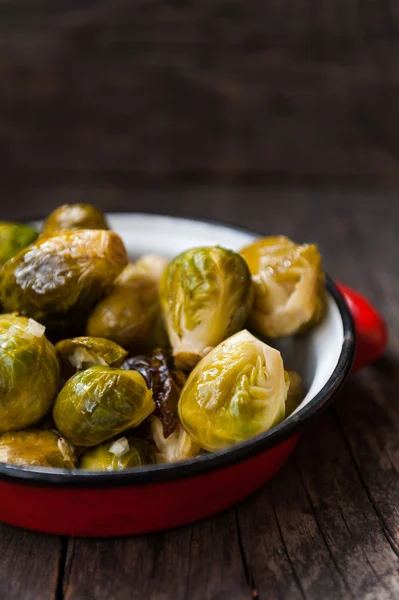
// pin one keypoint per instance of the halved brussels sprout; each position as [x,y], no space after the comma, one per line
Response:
[74,216]
[164,380]
[236,392]
[58,279]
[14,237]
[176,447]
[296,392]
[117,455]
[289,286]
[35,448]
[101,402]
[77,354]
[29,373]
[206,296]
[130,314]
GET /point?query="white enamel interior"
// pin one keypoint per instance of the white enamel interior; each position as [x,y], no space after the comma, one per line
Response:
[314,356]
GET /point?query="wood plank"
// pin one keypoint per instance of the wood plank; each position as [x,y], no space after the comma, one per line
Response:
[227,21]
[284,549]
[330,542]
[345,514]
[156,114]
[219,88]
[29,564]
[196,562]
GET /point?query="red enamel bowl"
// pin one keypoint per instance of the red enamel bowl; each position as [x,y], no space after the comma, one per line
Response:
[164,496]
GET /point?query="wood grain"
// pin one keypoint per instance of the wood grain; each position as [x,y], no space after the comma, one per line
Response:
[29,564]
[221,89]
[162,566]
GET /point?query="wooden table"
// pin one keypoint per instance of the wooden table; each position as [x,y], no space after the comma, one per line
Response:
[326,527]
[116,91]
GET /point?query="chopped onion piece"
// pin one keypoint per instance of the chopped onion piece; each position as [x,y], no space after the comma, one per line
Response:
[82,358]
[35,328]
[119,447]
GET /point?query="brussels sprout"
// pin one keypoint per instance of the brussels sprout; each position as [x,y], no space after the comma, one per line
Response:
[77,354]
[34,448]
[29,373]
[13,238]
[101,402]
[151,265]
[206,296]
[236,392]
[289,286]
[58,279]
[131,313]
[296,392]
[176,447]
[164,380]
[74,216]
[117,455]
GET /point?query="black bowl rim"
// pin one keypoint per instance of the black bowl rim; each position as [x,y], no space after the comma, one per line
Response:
[210,462]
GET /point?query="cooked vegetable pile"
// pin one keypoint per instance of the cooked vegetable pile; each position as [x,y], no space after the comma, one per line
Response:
[108,365]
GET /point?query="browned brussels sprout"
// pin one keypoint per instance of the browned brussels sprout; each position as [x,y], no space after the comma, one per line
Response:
[289,286]
[206,296]
[29,373]
[74,216]
[296,392]
[58,279]
[151,265]
[35,448]
[130,314]
[13,238]
[236,392]
[117,455]
[100,403]
[77,354]
[176,447]
[164,380]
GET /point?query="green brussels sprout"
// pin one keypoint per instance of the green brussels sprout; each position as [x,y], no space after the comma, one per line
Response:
[289,286]
[296,392]
[29,373]
[117,455]
[164,380]
[35,448]
[100,403]
[130,314]
[13,238]
[176,447]
[236,392]
[74,216]
[58,279]
[206,296]
[77,354]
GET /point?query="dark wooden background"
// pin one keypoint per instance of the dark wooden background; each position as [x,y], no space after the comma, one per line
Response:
[111,93]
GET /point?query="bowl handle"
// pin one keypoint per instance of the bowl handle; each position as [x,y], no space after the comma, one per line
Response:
[371,329]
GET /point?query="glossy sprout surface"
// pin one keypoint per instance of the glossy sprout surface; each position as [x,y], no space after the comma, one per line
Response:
[29,373]
[236,392]
[35,448]
[58,279]
[206,296]
[100,403]
[289,286]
